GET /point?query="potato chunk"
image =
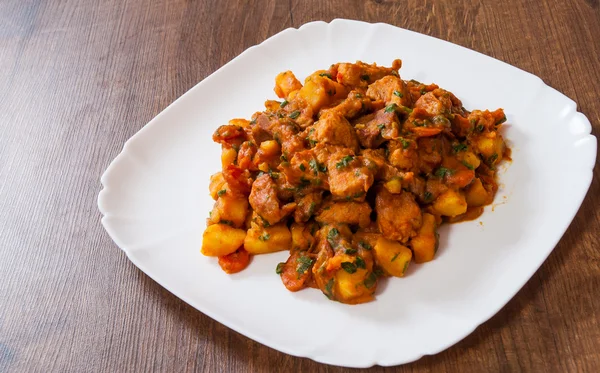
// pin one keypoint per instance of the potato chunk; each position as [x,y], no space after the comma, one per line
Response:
[450,203]
[221,239]
[285,83]
[261,240]
[392,257]
[476,195]
[425,243]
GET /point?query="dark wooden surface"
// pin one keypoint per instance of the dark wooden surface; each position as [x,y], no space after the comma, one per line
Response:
[78,78]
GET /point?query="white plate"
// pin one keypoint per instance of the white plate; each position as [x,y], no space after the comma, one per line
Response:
[155,201]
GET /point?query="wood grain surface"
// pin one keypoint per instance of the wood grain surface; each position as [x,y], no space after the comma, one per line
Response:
[78,78]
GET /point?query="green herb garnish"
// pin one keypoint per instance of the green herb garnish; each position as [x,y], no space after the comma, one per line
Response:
[332,236]
[304,264]
[370,280]
[327,75]
[365,245]
[344,162]
[302,168]
[470,167]
[399,94]
[360,263]
[459,147]
[221,192]
[349,267]
[264,237]
[390,108]
[443,171]
[365,77]
[295,114]
[279,268]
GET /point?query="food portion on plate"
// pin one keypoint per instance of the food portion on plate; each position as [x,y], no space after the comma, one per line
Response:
[352,172]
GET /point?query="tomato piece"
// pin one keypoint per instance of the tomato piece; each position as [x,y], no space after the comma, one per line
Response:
[235,262]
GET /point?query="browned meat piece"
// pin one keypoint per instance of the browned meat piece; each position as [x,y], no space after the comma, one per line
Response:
[349,178]
[403,154]
[333,129]
[305,171]
[381,127]
[391,90]
[307,205]
[239,180]
[229,135]
[431,105]
[360,74]
[264,201]
[430,153]
[353,105]
[357,213]
[246,154]
[398,215]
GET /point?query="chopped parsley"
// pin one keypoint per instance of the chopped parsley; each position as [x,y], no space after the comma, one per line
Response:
[327,75]
[427,196]
[279,268]
[264,237]
[304,264]
[360,263]
[332,236]
[470,167]
[365,245]
[399,94]
[443,171]
[365,77]
[370,281]
[349,267]
[493,158]
[302,168]
[226,222]
[344,162]
[284,103]
[316,167]
[295,114]
[405,267]
[381,126]
[459,147]
[350,251]
[329,288]
[479,128]
[221,192]
[395,257]
[501,120]
[405,143]
[390,108]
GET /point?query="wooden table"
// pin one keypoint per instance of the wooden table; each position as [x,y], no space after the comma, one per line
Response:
[78,78]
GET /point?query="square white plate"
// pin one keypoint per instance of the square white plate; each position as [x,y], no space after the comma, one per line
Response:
[155,201]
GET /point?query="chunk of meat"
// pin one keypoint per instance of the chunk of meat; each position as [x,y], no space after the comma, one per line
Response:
[391,90]
[360,74]
[431,105]
[305,171]
[307,205]
[238,180]
[356,213]
[297,271]
[349,178]
[229,135]
[333,129]
[381,127]
[398,215]
[353,105]
[264,201]
[430,153]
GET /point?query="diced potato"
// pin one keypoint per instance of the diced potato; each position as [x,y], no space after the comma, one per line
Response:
[285,83]
[392,257]
[270,147]
[240,122]
[491,147]
[228,156]
[268,240]
[470,158]
[350,287]
[476,195]
[425,243]
[230,208]
[221,239]
[450,203]
[217,183]
[394,186]
[320,91]
[264,167]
